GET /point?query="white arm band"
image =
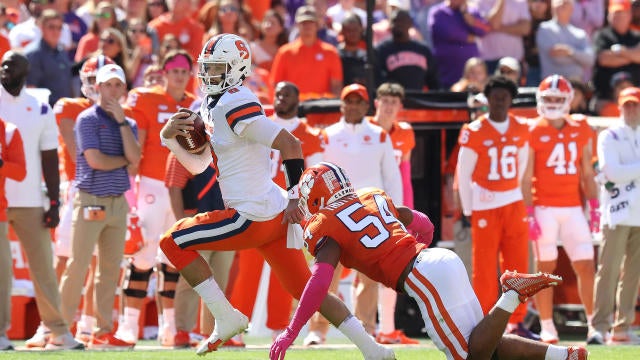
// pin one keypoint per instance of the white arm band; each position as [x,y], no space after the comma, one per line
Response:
[195,164]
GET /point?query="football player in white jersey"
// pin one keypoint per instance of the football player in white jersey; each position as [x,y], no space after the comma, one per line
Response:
[258,213]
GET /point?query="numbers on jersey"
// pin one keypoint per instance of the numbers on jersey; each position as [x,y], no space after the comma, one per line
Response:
[163,117]
[503,162]
[385,215]
[557,159]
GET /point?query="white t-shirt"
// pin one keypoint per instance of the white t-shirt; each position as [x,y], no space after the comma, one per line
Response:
[365,152]
[37,125]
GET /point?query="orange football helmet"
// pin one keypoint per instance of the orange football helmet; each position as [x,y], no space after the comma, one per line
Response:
[554,97]
[321,185]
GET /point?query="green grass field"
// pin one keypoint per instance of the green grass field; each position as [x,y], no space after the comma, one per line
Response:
[258,349]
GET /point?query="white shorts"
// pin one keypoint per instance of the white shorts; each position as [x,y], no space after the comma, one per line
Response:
[566,225]
[449,307]
[156,217]
[62,247]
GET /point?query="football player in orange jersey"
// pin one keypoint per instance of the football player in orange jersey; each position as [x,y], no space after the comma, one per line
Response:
[365,231]
[66,111]
[151,108]
[287,97]
[493,156]
[559,166]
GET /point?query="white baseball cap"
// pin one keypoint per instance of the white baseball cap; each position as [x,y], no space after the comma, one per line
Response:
[400,4]
[108,72]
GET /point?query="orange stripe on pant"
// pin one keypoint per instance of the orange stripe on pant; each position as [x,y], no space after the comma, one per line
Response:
[224,230]
[432,316]
[243,297]
[500,234]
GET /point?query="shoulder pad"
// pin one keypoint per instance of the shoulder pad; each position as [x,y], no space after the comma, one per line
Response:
[475,125]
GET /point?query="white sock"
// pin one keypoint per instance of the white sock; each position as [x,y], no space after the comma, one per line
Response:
[547,325]
[169,319]
[555,352]
[214,298]
[589,319]
[508,301]
[131,316]
[387,309]
[353,329]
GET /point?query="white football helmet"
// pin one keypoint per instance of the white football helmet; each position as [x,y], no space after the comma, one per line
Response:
[554,86]
[225,61]
[88,75]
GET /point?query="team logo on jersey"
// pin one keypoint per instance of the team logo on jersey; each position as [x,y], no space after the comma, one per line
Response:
[545,138]
[574,135]
[162,107]
[487,143]
[367,138]
[482,223]
[150,198]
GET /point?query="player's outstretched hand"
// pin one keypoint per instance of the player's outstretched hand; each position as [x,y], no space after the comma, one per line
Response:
[281,344]
[292,214]
[176,125]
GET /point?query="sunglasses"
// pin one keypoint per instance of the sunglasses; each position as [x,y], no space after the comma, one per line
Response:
[109,41]
[102,15]
[229,8]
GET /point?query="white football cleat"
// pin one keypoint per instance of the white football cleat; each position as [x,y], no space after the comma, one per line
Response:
[233,324]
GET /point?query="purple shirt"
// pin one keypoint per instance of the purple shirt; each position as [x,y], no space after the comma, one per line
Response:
[450,36]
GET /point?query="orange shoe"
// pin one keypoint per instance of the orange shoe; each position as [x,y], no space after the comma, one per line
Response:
[527,285]
[577,353]
[395,337]
[181,340]
[110,342]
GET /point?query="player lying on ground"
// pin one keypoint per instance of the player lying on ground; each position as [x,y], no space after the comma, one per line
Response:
[366,232]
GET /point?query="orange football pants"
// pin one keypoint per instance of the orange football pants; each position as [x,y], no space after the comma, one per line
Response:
[225,230]
[245,293]
[499,240]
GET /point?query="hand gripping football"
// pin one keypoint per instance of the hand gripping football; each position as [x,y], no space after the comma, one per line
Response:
[194,141]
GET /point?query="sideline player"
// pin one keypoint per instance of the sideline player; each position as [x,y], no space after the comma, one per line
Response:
[258,212]
[365,231]
[558,172]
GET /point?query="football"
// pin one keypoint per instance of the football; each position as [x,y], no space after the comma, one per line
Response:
[194,141]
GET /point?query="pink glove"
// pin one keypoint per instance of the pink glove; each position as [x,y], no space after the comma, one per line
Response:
[281,344]
[594,215]
[421,228]
[534,227]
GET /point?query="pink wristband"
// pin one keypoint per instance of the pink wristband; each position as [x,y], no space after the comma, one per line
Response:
[530,211]
[594,204]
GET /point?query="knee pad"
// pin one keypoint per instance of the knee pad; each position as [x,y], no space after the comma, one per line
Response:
[165,276]
[133,274]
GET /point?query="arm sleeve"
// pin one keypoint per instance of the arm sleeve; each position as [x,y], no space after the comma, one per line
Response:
[407,186]
[609,160]
[467,159]
[314,293]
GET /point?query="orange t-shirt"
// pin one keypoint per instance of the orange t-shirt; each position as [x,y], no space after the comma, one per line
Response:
[151,108]
[311,68]
[402,136]
[497,166]
[371,240]
[311,144]
[68,108]
[556,167]
[189,32]
[14,166]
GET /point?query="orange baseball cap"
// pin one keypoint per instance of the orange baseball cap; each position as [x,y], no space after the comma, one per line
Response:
[354,88]
[629,94]
[619,5]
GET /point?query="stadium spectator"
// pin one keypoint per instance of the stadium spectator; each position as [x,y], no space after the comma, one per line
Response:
[588,15]
[509,67]
[339,11]
[178,21]
[231,18]
[273,35]
[474,76]
[422,18]
[142,52]
[403,60]
[29,31]
[580,102]
[77,26]
[619,81]
[382,29]
[353,51]
[540,11]
[103,18]
[155,8]
[113,45]
[310,63]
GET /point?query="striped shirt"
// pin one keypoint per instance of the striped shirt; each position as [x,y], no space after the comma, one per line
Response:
[97,130]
